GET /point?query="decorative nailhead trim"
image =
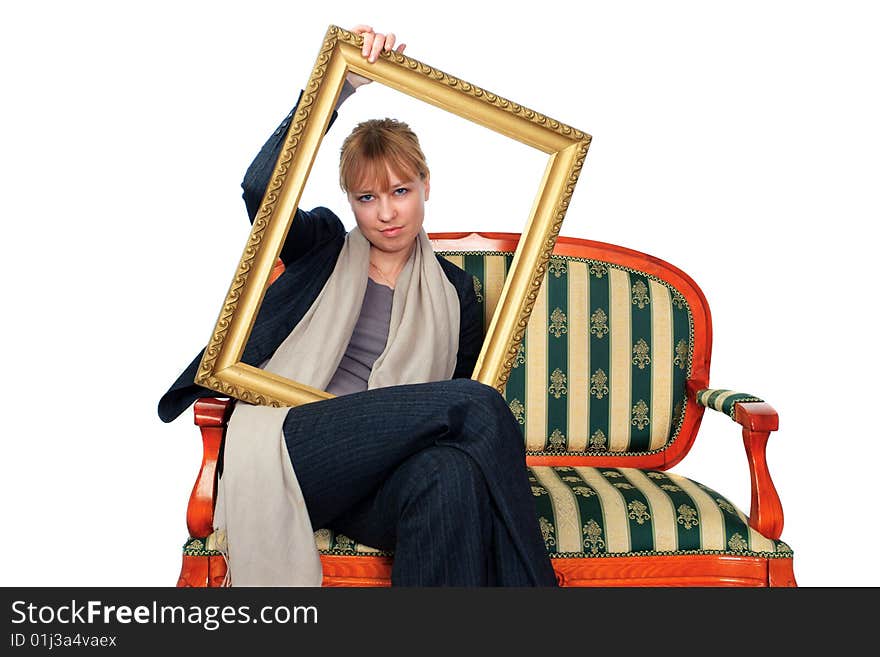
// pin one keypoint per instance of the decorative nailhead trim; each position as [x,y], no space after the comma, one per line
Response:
[644,553]
[354,553]
[785,553]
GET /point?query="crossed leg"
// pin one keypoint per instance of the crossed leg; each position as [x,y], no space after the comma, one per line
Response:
[435,463]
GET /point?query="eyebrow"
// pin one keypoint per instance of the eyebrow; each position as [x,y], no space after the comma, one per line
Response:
[392,185]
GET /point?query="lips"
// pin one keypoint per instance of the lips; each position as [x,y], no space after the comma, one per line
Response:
[391,232]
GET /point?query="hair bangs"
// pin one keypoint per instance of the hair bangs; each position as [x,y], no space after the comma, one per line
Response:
[375,148]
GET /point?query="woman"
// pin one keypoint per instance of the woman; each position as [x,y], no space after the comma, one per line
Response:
[411,456]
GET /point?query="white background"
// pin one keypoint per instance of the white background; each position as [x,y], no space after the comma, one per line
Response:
[738,141]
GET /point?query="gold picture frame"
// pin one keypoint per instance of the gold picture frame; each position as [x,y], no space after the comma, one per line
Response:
[221,368]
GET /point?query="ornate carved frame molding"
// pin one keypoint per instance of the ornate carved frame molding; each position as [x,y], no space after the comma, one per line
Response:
[221,368]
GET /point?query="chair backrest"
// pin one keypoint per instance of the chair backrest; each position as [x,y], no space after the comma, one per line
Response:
[613,339]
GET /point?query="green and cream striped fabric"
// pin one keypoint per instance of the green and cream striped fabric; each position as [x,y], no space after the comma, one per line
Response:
[602,512]
[330,542]
[586,511]
[724,400]
[201,547]
[605,512]
[602,369]
[604,361]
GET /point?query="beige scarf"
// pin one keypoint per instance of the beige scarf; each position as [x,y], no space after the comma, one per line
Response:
[260,520]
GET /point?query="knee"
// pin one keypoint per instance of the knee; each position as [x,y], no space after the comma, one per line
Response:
[482,413]
[479,394]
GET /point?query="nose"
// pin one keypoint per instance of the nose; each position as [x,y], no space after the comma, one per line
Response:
[385,209]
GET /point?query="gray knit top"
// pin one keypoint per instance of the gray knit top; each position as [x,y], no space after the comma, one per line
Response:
[367,341]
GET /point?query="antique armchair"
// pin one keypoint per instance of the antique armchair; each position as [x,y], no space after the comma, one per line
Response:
[609,385]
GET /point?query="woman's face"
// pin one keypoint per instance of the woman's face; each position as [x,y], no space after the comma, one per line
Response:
[391,218]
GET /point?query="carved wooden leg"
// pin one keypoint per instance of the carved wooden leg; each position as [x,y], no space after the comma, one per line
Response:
[205,570]
[194,572]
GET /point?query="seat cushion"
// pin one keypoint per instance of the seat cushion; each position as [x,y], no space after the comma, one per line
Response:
[603,512]
[606,512]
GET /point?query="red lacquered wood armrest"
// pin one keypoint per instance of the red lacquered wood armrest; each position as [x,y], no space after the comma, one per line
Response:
[210,416]
[758,419]
[758,416]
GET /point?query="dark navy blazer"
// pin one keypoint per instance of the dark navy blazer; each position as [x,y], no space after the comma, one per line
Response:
[309,254]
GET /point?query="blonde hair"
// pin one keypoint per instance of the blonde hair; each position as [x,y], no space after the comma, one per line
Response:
[374,146]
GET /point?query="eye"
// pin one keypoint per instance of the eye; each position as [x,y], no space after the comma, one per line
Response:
[400,191]
[365,198]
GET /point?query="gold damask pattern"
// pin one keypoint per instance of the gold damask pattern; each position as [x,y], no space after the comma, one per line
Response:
[518,410]
[725,505]
[598,270]
[557,267]
[681,354]
[579,513]
[599,323]
[677,413]
[195,547]
[558,382]
[520,357]
[640,294]
[547,532]
[687,516]
[640,415]
[737,543]
[599,384]
[678,300]
[598,441]
[593,541]
[478,289]
[638,511]
[641,352]
[558,323]
[557,440]
[343,542]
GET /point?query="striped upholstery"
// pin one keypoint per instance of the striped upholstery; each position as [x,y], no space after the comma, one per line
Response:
[586,511]
[602,369]
[601,512]
[605,357]
[723,400]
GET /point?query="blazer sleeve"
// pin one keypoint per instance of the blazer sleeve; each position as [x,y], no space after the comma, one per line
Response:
[308,227]
[470,339]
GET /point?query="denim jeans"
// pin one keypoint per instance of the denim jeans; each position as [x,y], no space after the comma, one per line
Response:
[433,471]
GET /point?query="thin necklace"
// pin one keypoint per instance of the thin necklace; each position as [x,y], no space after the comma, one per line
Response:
[382,275]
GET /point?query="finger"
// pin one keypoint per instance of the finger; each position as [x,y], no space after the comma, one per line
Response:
[401,47]
[376,47]
[369,37]
[360,29]
[389,41]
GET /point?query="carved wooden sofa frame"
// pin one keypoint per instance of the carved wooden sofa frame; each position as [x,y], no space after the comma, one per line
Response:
[600,440]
